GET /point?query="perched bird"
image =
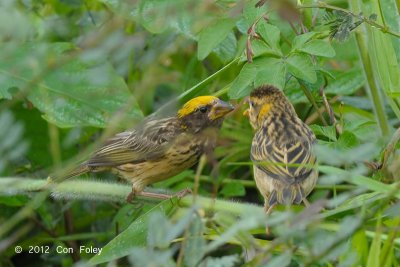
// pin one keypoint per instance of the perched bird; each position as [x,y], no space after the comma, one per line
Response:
[281,150]
[160,148]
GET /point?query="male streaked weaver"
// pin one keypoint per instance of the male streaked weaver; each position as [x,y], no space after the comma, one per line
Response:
[162,148]
[284,163]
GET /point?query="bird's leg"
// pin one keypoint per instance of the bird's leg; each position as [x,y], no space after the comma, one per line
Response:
[154,195]
[306,203]
[134,193]
[131,195]
[268,210]
[183,193]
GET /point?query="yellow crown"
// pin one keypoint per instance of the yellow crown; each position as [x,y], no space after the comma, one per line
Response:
[195,103]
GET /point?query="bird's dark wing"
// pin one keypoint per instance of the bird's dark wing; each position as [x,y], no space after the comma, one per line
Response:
[290,162]
[150,141]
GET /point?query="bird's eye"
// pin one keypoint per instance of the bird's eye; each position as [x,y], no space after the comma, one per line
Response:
[203,109]
[251,103]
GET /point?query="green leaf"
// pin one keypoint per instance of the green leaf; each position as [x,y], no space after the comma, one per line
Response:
[213,35]
[263,70]
[195,243]
[273,73]
[12,144]
[270,34]
[14,201]
[327,131]
[346,83]
[125,215]
[75,93]
[154,15]
[375,248]
[282,260]
[373,16]
[300,40]
[233,189]
[226,50]
[300,66]
[251,13]
[134,236]
[382,54]
[359,180]
[392,20]
[318,48]
[260,48]
[360,245]
[347,140]
[225,261]
[15,24]
[241,85]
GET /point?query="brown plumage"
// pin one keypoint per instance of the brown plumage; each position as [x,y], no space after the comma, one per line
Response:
[284,164]
[161,148]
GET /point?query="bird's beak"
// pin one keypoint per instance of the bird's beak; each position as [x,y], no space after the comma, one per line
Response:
[246,113]
[220,109]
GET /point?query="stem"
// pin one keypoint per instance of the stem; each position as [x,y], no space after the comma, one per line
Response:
[372,86]
[381,13]
[196,88]
[55,145]
[252,183]
[312,100]
[105,191]
[398,6]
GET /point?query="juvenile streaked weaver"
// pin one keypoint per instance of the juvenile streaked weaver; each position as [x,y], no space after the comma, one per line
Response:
[284,163]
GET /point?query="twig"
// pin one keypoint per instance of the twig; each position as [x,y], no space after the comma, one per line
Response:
[329,110]
[312,101]
[314,116]
[384,29]
[69,230]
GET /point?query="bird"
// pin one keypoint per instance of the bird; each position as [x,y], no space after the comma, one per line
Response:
[160,148]
[284,164]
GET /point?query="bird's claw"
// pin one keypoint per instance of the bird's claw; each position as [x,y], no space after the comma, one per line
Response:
[183,193]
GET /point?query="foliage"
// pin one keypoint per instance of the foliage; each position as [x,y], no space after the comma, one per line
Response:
[73,73]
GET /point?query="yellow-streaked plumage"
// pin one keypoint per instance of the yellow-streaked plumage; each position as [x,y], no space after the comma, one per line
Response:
[284,163]
[162,148]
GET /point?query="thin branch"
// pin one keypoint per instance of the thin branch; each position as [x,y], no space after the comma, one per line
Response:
[329,110]
[313,102]
[384,29]
[69,230]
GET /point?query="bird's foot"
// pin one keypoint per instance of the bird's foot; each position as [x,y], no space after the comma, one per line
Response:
[182,193]
[268,211]
[306,203]
[131,196]
[179,195]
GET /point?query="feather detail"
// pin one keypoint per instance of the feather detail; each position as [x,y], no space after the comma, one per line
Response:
[81,169]
[282,148]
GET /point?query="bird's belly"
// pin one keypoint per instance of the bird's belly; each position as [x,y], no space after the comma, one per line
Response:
[152,171]
[266,184]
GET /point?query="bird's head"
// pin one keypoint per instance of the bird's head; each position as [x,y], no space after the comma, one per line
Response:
[203,111]
[266,101]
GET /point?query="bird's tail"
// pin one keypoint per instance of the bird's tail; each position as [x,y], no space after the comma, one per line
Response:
[81,169]
[288,195]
